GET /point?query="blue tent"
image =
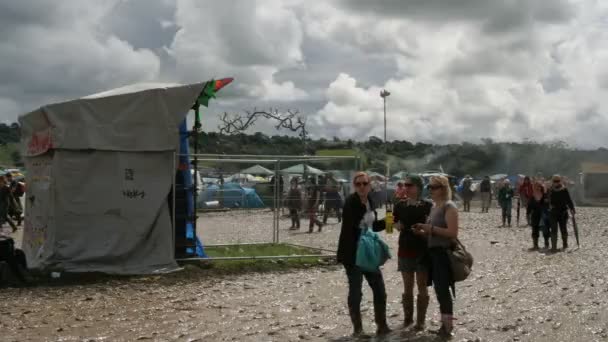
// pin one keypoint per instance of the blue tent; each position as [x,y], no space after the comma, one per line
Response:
[232,195]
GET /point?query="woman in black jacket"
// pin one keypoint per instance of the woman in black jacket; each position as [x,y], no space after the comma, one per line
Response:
[538,207]
[358,213]
[560,203]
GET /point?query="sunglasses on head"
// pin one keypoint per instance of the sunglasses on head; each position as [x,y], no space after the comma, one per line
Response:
[361,183]
[408,185]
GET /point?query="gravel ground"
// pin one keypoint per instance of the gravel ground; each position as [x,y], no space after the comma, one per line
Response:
[513,294]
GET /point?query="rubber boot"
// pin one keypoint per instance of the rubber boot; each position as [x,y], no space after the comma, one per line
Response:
[422,304]
[311,227]
[565,242]
[553,243]
[534,244]
[408,309]
[355,318]
[509,221]
[380,318]
[447,326]
[546,243]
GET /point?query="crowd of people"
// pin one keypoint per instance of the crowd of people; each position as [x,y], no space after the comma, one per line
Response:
[547,205]
[325,192]
[428,228]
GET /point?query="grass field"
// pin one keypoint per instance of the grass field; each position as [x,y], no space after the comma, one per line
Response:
[260,250]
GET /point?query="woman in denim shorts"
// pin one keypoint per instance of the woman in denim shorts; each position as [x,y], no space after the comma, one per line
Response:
[413,259]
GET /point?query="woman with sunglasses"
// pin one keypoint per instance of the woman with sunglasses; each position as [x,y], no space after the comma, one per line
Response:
[538,207]
[441,229]
[412,253]
[359,213]
[559,204]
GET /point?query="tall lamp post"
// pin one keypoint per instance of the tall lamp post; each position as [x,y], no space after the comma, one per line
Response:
[389,215]
[384,94]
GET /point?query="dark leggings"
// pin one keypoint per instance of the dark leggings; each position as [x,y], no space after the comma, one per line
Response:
[559,219]
[441,277]
[355,284]
[295,217]
[535,221]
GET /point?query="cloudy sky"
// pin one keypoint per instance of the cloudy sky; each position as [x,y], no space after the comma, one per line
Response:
[457,70]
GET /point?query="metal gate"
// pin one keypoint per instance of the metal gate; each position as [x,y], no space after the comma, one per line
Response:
[236,209]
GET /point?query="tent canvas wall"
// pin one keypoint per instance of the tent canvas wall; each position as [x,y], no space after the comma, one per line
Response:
[100,171]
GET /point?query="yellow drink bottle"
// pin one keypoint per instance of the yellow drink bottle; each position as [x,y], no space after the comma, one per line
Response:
[388,220]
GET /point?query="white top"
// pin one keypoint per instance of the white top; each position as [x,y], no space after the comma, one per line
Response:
[368,218]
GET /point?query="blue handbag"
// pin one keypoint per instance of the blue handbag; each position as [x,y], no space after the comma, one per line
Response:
[372,252]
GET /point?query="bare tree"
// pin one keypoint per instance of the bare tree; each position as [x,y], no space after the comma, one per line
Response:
[291,120]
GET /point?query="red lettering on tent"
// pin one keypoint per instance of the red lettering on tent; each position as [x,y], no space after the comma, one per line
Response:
[40,142]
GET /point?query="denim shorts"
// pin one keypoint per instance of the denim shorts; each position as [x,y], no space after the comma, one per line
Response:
[411,265]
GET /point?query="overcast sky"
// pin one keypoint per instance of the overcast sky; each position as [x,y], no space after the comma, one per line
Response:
[457,70]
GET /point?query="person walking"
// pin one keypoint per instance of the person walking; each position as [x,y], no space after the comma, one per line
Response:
[409,210]
[485,191]
[467,193]
[526,191]
[294,204]
[6,202]
[538,206]
[333,201]
[505,199]
[441,230]
[314,199]
[359,213]
[560,203]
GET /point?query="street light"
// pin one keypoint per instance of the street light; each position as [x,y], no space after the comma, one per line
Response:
[389,215]
[384,94]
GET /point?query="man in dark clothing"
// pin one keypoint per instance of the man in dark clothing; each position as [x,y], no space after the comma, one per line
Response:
[15,209]
[294,204]
[333,201]
[314,199]
[560,203]
[467,192]
[485,190]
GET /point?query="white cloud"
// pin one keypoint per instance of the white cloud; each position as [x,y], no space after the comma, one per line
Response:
[458,70]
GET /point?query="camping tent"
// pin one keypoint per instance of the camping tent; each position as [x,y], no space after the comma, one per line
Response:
[100,172]
[232,195]
[299,170]
[240,178]
[258,170]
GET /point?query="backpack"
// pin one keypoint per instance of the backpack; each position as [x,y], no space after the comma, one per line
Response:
[461,261]
[372,252]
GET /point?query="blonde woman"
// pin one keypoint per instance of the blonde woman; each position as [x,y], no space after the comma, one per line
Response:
[441,229]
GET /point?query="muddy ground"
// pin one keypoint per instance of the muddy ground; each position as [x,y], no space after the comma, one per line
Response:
[513,294]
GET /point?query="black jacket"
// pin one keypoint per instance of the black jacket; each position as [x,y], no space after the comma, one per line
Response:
[560,200]
[485,186]
[409,215]
[352,215]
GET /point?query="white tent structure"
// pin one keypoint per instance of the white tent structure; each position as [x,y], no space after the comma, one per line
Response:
[100,171]
[258,170]
[299,170]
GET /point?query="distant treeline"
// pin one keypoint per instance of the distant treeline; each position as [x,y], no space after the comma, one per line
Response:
[486,158]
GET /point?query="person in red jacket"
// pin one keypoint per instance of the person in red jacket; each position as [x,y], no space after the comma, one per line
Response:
[526,191]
